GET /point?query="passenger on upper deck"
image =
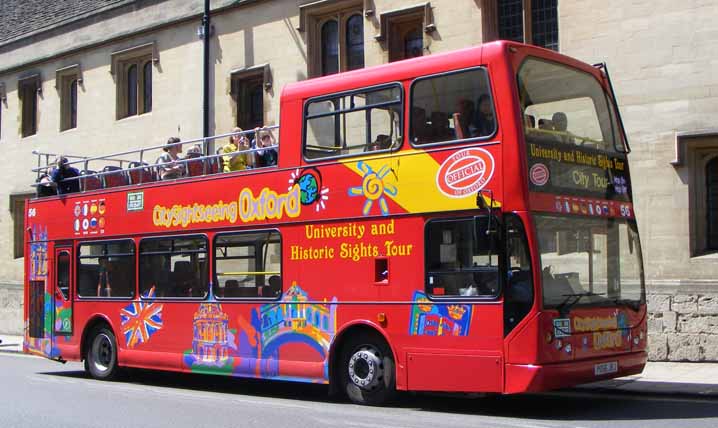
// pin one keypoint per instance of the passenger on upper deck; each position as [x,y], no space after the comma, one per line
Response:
[560,124]
[236,161]
[172,168]
[264,157]
[62,175]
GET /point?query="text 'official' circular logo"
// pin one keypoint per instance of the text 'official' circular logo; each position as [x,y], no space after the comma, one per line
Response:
[538,174]
[465,172]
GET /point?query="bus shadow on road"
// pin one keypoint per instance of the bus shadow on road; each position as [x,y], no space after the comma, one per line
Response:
[570,405]
[575,405]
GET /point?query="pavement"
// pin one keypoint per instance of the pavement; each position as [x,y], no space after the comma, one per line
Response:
[664,378]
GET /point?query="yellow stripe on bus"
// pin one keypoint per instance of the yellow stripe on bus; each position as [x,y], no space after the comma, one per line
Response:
[413,174]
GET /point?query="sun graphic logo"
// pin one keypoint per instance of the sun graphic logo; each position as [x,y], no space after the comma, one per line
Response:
[374,186]
[310,188]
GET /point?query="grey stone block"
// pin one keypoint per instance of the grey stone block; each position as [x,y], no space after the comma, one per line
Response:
[684,347]
[708,304]
[684,304]
[658,302]
[698,324]
[657,347]
[670,321]
[709,343]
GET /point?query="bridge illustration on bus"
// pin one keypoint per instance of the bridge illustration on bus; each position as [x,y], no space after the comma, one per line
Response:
[461,222]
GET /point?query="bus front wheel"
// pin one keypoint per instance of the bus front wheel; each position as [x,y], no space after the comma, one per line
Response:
[101,357]
[367,370]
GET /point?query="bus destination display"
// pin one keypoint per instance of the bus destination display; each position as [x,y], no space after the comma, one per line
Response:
[567,169]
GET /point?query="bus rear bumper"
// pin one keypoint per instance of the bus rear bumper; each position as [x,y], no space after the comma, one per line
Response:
[537,378]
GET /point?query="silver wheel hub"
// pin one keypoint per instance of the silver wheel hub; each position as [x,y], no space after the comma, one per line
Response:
[102,352]
[366,369]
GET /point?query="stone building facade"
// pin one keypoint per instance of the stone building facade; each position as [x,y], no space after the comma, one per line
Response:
[71,62]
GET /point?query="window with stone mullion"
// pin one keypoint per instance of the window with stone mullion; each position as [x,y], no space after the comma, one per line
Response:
[544,23]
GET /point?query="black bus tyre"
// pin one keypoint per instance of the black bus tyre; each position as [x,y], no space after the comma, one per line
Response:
[101,357]
[366,371]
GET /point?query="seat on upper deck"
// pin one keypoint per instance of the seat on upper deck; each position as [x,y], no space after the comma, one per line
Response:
[143,173]
[92,182]
[116,177]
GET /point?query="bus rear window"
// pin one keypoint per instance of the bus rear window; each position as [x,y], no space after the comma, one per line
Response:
[566,106]
[174,267]
[453,106]
[354,123]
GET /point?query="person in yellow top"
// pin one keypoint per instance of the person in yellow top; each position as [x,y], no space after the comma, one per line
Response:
[236,161]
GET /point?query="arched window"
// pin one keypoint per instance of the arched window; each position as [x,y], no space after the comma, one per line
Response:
[147,87]
[73,104]
[132,90]
[355,42]
[330,47]
[712,203]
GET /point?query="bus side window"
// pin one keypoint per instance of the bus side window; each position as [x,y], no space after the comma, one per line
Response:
[174,267]
[519,293]
[460,259]
[458,105]
[106,269]
[248,264]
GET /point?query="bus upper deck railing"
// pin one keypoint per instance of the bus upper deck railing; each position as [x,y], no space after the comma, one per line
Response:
[138,171]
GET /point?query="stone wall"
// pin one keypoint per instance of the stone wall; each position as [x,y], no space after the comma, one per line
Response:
[683,326]
[11,309]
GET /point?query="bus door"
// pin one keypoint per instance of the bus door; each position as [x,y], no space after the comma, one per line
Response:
[62,297]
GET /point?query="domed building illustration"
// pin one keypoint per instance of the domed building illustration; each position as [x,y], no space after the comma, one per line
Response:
[211,343]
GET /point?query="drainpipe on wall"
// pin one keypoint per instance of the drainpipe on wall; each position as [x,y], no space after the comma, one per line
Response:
[205,66]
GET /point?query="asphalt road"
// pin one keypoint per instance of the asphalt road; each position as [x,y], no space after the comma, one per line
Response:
[35,392]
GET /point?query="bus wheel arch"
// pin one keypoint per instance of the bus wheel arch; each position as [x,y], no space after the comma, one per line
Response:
[367,346]
[100,349]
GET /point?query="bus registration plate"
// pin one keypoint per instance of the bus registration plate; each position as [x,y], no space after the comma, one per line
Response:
[605,368]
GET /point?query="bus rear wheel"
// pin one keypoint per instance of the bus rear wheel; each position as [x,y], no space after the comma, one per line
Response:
[101,356]
[367,373]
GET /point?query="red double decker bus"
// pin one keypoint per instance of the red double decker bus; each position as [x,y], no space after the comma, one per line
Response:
[458,222]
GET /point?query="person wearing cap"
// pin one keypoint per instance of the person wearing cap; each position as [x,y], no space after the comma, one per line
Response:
[65,176]
[236,161]
[170,167]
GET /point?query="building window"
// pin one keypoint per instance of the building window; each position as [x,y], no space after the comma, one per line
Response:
[711,174]
[132,70]
[67,82]
[335,39]
[355,42]
[137,87]
[697,152]
[17,210]
[528,21]
[68,106]
[247,90]
[403,30]
[406,39]
[27,91]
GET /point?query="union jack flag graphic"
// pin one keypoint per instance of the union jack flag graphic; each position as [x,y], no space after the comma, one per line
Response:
[140,320]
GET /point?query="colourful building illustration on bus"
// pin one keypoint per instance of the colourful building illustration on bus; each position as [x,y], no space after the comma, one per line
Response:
[213,343]
[429,319]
